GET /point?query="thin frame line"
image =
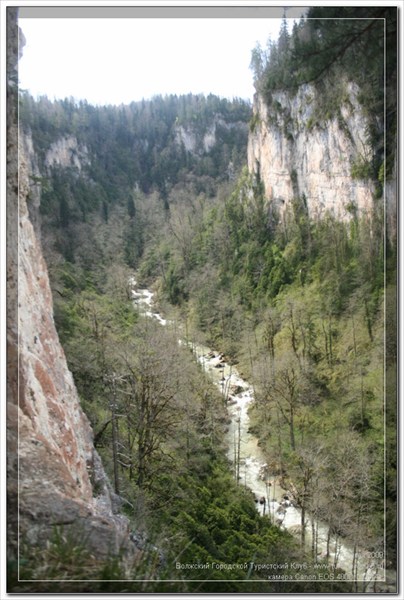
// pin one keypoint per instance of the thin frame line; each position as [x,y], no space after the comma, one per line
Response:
[18,318]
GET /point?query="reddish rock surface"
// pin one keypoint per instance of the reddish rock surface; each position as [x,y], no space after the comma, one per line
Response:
[52,465]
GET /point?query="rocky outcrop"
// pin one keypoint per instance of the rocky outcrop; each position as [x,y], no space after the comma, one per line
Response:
[295,151]
[201,140]
[35,178]
[52,466]
[66,152]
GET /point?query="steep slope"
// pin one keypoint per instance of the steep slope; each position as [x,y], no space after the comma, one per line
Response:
[148,145]
[295,151]
[325,115]
[52,465]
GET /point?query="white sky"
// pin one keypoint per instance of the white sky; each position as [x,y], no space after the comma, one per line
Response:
[113,61]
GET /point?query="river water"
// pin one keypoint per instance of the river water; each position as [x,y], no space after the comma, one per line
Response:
[250,467]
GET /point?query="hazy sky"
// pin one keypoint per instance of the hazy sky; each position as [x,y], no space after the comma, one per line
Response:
[114,60]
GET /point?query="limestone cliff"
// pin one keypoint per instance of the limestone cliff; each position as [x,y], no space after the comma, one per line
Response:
[198,141]
[66,152]
[297,151]
[53,469]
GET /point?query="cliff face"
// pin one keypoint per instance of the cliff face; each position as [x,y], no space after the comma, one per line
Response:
[52,466]
[296,152]
[198,142]
[66,152]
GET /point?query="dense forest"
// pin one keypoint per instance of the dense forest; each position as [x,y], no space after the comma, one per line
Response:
[159,189]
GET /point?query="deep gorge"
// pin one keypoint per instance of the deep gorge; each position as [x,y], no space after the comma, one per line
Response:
[262,230]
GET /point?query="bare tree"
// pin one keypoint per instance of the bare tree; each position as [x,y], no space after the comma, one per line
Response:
[351,490]
[308,471]
[284,392]
[151,382]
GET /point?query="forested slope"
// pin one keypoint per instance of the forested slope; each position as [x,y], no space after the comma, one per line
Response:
[158,423]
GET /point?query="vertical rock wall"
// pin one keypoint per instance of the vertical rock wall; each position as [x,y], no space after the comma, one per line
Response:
[297,151]
[52,466]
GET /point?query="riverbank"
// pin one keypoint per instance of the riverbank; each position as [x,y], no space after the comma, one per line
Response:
[250,467]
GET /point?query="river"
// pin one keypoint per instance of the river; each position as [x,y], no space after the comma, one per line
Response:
[251,469]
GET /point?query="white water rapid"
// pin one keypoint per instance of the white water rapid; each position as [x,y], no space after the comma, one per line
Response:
[252,470]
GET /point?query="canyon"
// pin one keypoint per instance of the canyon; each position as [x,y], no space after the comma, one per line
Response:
[159,201]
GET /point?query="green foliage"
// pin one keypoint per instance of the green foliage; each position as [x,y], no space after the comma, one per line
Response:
[175,284]
[224,527]
[254,122]
[361,169]
[297,303]
[65,559]
[309,294]
[186,494]
[332,45]
[321,282]
[138,144]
